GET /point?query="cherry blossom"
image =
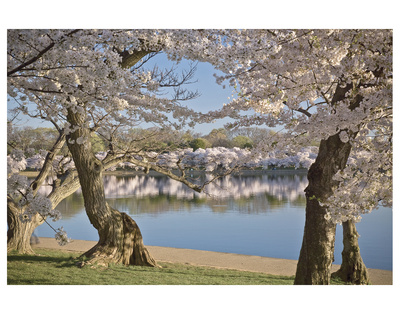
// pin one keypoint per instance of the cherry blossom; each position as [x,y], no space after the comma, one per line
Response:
[287,77]
[315,84]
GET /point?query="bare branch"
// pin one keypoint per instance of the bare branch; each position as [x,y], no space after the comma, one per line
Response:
[144,60]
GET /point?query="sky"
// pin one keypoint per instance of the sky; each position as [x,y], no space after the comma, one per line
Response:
[212,96]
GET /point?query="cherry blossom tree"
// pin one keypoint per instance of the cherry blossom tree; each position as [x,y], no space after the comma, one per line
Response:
[87,81]
[26,207]
[330,86]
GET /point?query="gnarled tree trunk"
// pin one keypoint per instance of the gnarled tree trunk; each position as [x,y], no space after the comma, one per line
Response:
[352,269]
[120,240]
[19,232]
[316,255]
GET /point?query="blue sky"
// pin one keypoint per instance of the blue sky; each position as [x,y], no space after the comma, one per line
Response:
[212,96]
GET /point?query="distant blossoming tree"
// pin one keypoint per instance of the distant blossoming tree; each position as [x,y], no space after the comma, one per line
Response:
[330,86]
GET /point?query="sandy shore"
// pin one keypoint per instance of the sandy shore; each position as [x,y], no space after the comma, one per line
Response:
[274,266]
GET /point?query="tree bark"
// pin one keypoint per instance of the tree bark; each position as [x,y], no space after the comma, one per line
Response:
[120,240]
[352,269]
[48,163]
[19,232]
[316,254]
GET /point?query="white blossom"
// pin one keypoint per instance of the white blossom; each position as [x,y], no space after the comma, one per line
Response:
[61,237]
[282,78]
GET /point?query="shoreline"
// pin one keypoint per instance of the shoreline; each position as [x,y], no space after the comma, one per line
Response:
[154,173]
[269,265]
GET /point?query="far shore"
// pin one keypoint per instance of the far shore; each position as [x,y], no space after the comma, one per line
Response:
[29,173]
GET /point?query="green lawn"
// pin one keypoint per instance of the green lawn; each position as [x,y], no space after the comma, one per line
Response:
[53,267]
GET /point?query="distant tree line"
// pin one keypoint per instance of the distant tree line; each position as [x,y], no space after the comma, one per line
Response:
[35,140]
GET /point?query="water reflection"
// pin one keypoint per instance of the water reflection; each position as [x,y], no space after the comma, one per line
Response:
[255,214]
[281,187]
[147,194]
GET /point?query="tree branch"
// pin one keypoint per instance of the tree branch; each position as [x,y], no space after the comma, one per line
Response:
[39,55]
[47,166]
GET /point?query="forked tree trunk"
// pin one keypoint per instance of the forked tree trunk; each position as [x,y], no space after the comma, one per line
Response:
[353,269]
[19,232]
[316,254]
[120,240]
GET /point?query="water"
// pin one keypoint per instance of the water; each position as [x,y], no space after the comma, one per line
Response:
[253,214]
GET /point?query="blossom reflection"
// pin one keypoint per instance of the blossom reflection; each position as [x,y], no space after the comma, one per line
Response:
[289,187]
[155,194]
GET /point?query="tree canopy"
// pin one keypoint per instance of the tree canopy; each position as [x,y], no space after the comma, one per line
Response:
[320,83]
[312,82]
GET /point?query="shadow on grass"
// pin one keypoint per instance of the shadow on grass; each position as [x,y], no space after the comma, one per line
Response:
[59,268]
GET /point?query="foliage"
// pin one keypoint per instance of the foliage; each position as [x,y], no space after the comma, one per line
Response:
[34,140]
[242,142]
[98,144]
[199,143]
[255,134]
[86,81]
[219,138]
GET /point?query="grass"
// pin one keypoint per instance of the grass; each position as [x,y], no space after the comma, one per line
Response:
[52,267]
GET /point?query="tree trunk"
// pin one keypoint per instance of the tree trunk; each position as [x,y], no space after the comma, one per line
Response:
[20,232]
[353,269]
[120,240]
[316,254]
